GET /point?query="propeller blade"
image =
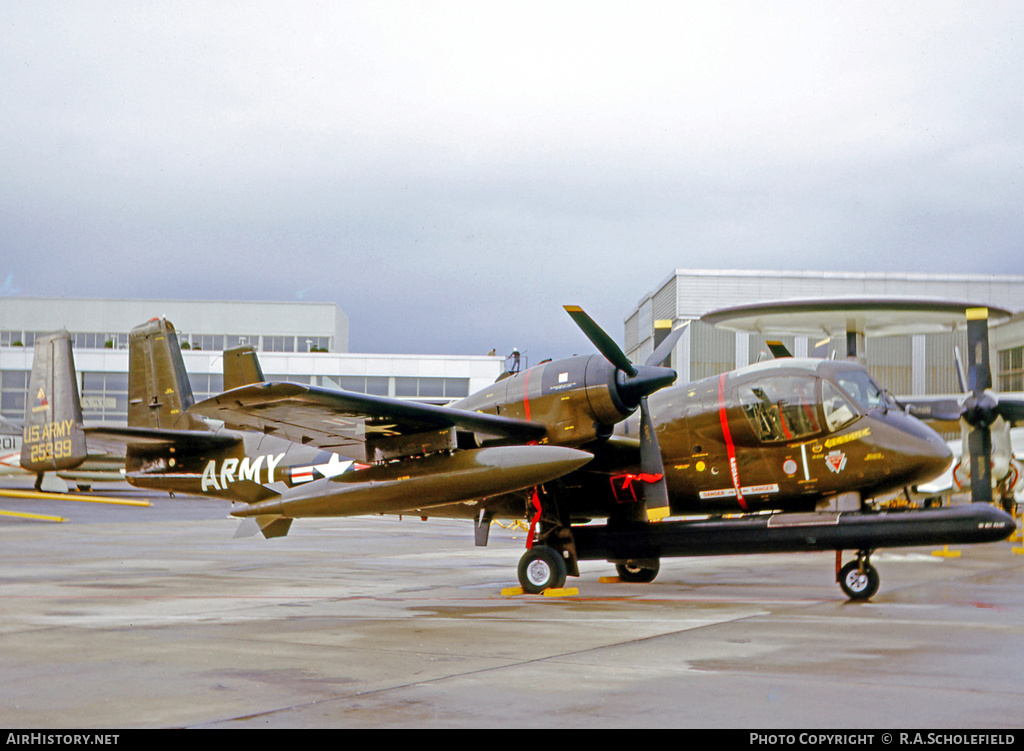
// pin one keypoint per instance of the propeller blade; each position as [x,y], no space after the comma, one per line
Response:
[979,375]
[979,441]
[663,350]
[652,467]
[604,343]
[961,377]
[778,349]
[1010,407]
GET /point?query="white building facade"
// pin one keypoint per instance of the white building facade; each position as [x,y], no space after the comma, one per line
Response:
[918,364]
[297,342]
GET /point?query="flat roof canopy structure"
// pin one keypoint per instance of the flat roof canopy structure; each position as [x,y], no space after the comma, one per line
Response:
[854,317]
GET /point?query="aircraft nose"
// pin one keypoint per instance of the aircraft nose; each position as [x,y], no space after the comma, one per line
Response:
[937,458]
[931,455]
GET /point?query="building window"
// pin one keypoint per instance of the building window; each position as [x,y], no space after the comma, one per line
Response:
[104,396]
[13,391]
[431,388]
[278,343]
[205,385]
[314,343]
[237,340]
[208,342]
[1011,369]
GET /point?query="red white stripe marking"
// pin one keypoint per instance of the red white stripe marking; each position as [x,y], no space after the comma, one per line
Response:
[730,447]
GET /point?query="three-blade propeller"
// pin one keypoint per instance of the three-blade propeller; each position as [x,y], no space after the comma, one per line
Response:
[634,385]
[981,407]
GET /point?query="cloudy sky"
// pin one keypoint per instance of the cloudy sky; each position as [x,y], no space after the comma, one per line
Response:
[451,173]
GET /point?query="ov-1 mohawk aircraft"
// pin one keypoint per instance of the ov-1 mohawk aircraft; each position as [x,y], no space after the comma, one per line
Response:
[984,416]
[797,448]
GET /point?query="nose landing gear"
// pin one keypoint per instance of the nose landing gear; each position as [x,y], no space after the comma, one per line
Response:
[858,579]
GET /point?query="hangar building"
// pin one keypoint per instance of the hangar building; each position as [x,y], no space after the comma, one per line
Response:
[298,342]
[911,364]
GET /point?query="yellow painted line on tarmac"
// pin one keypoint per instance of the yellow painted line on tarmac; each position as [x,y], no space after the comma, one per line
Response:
[69,497]
[40,517]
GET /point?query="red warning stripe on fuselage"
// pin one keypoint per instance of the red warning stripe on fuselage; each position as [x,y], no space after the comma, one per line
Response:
[730,447]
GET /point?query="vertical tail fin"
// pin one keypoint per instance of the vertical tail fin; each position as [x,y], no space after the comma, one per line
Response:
[159,392]
[53,437]
[241,367]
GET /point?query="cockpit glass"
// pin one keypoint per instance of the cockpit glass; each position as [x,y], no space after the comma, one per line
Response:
[838,410]
[782,408]
[858,384]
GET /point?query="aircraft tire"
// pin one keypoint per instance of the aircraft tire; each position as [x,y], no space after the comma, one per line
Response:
[541,568]
[636,572]
[857,584]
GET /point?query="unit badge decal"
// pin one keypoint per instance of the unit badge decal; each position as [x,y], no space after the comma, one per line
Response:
[835,461]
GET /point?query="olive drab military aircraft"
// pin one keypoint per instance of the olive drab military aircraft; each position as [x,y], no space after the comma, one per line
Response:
[594,452]
[366,455]
[983,416]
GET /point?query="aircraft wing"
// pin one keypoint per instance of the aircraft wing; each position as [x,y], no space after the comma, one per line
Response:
[1009,406]
[340,421]
[937,408]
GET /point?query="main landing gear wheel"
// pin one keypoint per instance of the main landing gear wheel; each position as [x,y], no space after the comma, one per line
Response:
[641,572]
[541,568]
[859,580]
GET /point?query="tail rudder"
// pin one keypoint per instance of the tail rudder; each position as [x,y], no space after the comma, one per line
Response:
[241,367]
[53,437]
[159,392]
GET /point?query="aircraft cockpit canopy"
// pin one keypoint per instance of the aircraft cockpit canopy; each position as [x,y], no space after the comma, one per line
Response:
[868,394]
[788,407]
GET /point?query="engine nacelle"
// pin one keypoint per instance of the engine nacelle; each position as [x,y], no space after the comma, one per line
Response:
[578,399]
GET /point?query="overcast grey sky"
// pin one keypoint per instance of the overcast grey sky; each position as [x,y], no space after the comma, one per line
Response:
[451,173]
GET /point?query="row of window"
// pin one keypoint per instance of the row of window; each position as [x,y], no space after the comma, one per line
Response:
[217,342]
[1011,369]
[105,395]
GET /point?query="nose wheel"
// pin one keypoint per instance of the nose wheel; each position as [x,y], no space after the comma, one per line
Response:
[858,579]
[540,568]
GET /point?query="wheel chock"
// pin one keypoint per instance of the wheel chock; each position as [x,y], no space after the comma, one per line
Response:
[609,579]
[549,592]
[946,552]
[561,592]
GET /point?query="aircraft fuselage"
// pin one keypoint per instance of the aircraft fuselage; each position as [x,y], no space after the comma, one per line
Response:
[792,434]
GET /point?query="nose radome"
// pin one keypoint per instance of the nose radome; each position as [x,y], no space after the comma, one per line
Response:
[933,455]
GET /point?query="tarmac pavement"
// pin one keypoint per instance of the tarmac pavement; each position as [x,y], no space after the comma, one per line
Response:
[157,617]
